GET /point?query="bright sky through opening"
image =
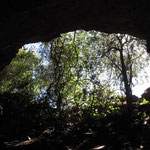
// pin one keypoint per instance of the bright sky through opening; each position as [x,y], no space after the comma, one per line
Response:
[138,89]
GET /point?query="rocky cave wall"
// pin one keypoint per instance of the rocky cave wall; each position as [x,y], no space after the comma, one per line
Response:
[27,21]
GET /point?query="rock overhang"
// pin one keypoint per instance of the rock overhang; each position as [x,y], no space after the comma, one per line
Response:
[27,21]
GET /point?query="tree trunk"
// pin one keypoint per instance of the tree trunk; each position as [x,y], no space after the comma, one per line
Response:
[128,90]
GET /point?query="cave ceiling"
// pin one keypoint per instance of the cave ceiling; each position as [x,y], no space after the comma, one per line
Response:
[24,21]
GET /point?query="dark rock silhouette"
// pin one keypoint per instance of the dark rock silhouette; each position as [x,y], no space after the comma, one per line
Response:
[27,21]
[146,94]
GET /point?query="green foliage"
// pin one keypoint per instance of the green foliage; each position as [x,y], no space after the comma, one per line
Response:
[74,70]
[22,75]
[82,66]
[144,101]
[69,79]
[77,72]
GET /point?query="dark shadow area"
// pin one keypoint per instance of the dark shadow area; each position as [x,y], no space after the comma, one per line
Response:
[24,130]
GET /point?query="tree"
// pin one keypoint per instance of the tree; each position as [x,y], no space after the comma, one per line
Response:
[126,57]
[62,57]
[22,75]
[81,67]
[73,68]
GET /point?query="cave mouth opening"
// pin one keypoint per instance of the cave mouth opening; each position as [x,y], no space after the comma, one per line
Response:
[62,83]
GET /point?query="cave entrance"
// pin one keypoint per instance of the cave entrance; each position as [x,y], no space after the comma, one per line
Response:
[72,79]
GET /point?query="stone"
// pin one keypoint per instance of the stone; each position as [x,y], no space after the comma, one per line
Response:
[28,21]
